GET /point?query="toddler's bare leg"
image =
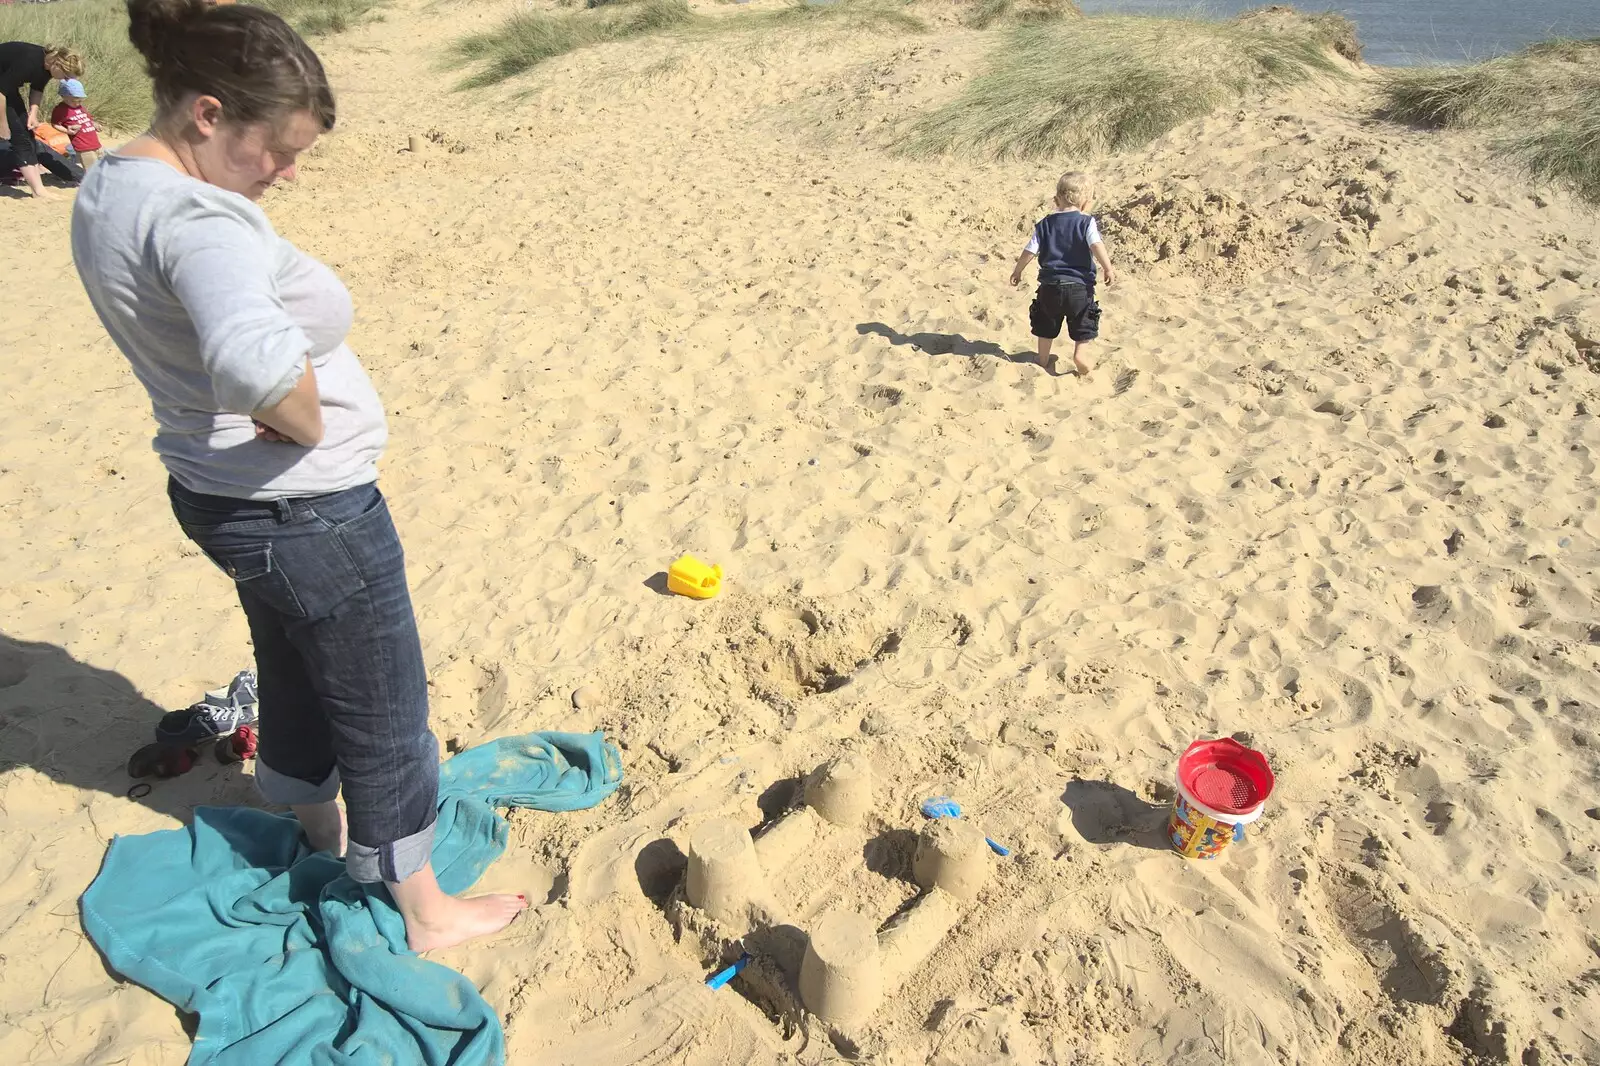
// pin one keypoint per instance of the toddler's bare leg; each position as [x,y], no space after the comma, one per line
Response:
[1078,362]
[88,159]
[1045,359]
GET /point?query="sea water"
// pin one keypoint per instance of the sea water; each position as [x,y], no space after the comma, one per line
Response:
[1414,32]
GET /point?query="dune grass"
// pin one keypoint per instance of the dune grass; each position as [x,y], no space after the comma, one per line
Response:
[119,91]
[1543,102]
[1518,85]
[527,38]
[317,18]
[986,13]
[852,15]
[1084,87]
[1565,149]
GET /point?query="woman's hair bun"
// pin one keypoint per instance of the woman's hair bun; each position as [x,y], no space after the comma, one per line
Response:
[157,27]
[251,61]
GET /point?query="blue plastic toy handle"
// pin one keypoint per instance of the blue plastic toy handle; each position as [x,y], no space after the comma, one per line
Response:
[999,849]
[722,977]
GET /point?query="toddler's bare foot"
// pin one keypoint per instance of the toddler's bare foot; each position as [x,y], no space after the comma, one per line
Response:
[1049,362]
[1082,367]
[453,920]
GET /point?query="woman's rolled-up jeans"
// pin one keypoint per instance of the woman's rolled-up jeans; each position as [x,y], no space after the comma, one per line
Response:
[343,689]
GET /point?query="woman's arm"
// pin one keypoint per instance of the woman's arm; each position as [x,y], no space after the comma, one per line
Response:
[35,98]
[221,268]
[297,418]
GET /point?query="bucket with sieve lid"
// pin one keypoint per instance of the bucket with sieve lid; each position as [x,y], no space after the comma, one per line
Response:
[1222,787]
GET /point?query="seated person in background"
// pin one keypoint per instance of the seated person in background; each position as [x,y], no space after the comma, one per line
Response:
[45,156]
[70,118]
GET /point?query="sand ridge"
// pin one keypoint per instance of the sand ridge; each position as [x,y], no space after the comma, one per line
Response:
[1331,488]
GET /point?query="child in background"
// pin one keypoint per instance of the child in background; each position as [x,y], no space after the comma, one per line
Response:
[1068,245]
[70,118]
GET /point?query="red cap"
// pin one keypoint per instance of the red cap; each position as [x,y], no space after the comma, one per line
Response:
[1225,775]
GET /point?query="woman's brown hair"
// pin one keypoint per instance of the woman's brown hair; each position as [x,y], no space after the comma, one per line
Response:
[247,57]
[65,60]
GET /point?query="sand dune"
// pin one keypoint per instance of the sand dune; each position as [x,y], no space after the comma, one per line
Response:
[1331,487]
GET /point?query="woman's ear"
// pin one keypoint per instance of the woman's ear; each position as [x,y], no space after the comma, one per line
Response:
[206,113]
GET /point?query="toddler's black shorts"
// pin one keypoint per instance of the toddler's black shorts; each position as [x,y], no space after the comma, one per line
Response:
[1070,303]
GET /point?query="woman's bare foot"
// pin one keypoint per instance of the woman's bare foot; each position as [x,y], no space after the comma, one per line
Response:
[436,920]
[324,826]
[34,179]
[463,919]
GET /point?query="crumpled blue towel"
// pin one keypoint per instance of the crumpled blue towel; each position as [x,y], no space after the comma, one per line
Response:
[287,960]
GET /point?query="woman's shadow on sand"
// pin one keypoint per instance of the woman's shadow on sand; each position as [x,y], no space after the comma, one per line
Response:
[77,724]
[943,343]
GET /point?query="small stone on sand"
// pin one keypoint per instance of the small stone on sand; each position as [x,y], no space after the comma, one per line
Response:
[586,696]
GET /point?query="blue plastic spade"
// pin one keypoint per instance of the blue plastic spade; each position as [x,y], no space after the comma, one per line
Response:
[945,807]
[722,977]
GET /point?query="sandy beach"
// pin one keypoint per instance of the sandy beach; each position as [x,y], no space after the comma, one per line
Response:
[1331,489]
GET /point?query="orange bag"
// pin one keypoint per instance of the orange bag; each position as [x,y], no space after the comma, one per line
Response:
[57,140]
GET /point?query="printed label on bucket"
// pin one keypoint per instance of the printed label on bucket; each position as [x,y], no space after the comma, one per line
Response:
[1198,836]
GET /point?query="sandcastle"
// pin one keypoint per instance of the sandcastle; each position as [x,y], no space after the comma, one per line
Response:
[838,965]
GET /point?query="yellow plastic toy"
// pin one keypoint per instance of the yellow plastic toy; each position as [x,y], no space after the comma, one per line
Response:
[690,577]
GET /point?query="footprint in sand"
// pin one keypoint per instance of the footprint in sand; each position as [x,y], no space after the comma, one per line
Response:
[1403,951]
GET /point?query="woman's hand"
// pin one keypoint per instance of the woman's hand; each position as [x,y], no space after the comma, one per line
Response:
[267,433]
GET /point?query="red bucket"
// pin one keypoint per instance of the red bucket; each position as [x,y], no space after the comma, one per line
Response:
[1222,787]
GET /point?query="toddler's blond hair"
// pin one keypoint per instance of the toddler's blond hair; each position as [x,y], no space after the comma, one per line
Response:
[1074,188]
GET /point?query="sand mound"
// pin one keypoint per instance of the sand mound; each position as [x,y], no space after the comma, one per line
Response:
[1184,228]
[1339,31]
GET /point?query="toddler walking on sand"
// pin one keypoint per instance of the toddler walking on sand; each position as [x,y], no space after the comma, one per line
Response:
[1068,245]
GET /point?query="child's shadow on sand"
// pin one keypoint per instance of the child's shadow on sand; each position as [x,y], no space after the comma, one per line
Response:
[943,343]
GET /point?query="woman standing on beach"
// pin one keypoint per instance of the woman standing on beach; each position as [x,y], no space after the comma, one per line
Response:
[32,65]
[270,432]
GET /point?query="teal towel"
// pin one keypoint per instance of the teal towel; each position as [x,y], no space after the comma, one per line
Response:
[285,959]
